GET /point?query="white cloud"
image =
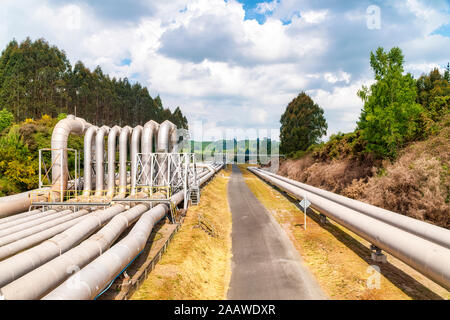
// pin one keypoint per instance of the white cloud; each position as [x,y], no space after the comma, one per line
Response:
[264,7]
[203,56]
[314,17]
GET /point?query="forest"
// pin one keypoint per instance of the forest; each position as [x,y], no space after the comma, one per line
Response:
[36,78]
[398,155]
[38,87]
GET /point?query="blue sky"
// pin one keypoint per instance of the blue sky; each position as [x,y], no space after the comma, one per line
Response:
[237,64]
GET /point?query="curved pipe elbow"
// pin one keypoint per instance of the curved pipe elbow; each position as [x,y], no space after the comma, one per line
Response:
[165,136]
[60,137]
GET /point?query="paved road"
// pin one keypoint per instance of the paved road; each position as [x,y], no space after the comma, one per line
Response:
[265,264]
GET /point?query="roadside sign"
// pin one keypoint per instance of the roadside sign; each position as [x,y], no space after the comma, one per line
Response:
[305,203]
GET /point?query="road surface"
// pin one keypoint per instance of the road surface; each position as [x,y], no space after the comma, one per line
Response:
[265,264]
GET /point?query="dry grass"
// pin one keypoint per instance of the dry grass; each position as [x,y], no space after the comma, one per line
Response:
[338,258]
[196,264]
[417,184]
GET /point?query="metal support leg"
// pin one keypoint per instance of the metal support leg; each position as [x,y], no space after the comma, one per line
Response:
[377,254]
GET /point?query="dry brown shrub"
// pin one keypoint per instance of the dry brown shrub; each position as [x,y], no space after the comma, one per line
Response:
[417,184]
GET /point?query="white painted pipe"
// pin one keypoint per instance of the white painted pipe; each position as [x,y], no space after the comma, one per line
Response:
[420,228]
[112,137]
[62,217]
[135,143]
[60,137]
[24,217]
[99,154]
[28,222]
[27,242]
[427,257]
[149,135]
[123,154]
[88,148]
[23,262]
[40,281]
[93,278]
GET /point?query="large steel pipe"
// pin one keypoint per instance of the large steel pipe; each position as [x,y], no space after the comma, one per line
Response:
[420,228]
[61,218]
[18,265]
[99,155]
[24,217]
[135,143]
[89,143]
[40,281]
[27,242]
[28,222]
[123,155]
[112,137]
[60,137]
[92,279]
[150,134]
[427,257]
[16,203]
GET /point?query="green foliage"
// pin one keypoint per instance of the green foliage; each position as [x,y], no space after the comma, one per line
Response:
[390,117]
[37,79]
[433,93]
[6,119]
[302,124]
[61,116]
[16,164]
[340,145]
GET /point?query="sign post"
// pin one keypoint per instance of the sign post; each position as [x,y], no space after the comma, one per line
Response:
[305,204]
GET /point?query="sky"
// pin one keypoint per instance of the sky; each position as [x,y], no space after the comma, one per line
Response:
[237,64]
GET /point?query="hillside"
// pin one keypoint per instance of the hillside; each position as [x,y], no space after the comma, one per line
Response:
[416,183]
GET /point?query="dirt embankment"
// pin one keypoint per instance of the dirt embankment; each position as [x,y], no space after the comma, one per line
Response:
[417,184]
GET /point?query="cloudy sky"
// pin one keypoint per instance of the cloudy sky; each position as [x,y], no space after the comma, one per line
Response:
[237,64]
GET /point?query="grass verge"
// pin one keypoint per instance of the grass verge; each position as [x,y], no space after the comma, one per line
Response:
[197,263]
[338,258]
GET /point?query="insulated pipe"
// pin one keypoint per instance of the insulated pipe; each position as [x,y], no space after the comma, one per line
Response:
[422,229]
[23,217]
[149,135]
[16,203]
[123,153]
[112,136]
[93,278]
[165,137]
[23,262]
[51,274]
[28,222]
[27,242]
[429,258]
[135,143]
[103,269]
[99,153]
[88,146]
[64,216]
[60,136]
[165,145]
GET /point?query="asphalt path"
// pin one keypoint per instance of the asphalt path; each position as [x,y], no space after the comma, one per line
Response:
[265,263]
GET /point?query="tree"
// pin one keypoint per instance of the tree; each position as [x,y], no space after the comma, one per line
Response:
[447,72]
[6,119]
[390,114]
[37,78]
[302,124]
[433,93]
